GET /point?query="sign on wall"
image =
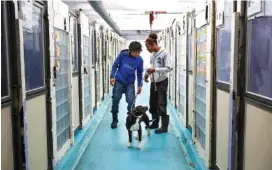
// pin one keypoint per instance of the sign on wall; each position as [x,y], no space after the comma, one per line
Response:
[200,19]
[189,25]
[220,13]
[27,15]
[220,18]
[254,7]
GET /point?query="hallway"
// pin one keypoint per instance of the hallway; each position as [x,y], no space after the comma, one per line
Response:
[57,59]
[108,150]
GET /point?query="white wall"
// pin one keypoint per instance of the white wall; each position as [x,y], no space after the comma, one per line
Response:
[6,139]
[37,135]
[258,138]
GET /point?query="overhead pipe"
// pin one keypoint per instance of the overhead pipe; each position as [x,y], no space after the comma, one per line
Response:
[98,7]
[157,13]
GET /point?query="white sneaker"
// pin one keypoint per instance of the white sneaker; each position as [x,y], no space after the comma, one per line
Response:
[139,145]
[129,145]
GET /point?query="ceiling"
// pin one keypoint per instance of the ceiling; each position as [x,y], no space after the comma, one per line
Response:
[132,17]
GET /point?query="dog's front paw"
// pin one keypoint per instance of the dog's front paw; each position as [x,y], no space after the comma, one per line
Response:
[148,132]
[139,145]
[129,145]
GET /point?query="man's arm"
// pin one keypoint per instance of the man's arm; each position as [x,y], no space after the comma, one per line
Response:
[168,65]
[115,66]
[140,69]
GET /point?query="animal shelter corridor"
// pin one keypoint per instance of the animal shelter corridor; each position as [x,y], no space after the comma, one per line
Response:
[117,85]
[109,146]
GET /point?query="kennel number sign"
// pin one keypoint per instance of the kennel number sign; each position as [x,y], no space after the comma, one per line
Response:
[220,13]
[254,7]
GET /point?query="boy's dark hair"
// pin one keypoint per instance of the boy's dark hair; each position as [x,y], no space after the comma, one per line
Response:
[135,46]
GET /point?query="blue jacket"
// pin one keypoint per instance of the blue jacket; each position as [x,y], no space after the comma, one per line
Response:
[125,66]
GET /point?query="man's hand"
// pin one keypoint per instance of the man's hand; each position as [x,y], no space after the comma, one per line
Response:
[151,70]
[146,76]
[139,90]
[112,81]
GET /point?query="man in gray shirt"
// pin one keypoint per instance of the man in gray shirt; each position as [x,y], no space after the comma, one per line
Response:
[161,66]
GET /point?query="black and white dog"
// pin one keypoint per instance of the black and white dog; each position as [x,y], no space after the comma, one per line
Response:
[133,123]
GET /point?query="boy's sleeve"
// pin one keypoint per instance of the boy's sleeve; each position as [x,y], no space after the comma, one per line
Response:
[140,70]
[115,66]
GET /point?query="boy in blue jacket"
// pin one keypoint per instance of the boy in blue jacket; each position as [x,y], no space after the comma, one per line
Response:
[123,78]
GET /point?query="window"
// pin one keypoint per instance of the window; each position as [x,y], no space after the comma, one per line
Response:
[33,51]
[62,87]
[87,80]
[200,85]
[224,46]
[93,46]
[191,52]
[86,50]
[74,45]
[259,64]
[4,54]
[98,49]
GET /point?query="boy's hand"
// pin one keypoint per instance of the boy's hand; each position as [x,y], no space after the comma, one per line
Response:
[139,90]
[151,70]
[112,81]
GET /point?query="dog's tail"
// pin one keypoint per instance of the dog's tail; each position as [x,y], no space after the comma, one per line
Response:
[149,122]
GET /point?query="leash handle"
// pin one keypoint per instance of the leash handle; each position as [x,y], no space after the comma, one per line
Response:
[153,77]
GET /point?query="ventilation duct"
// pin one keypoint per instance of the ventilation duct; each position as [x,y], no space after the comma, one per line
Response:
[98,7]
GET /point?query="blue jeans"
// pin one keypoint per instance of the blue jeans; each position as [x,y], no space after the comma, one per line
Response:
[118,90]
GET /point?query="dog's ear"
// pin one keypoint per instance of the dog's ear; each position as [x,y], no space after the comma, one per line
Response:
[134,109]
[145,108]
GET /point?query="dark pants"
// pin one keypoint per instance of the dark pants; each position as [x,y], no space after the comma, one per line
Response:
[118,90]
[158,99]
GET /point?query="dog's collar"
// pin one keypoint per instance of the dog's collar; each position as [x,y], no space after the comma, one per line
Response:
[138,117]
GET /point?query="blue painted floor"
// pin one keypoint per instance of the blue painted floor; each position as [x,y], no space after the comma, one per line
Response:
[108,150]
